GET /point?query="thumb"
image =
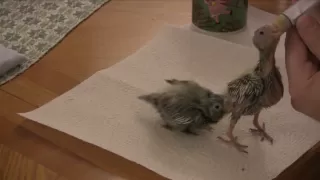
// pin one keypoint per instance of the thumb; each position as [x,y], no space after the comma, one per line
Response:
[309,30]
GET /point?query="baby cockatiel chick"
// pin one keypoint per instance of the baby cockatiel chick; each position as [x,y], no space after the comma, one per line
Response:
[186,106]
[259,89]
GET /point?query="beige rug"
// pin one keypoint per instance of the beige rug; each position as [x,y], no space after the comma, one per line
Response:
[33,27]
[104,110]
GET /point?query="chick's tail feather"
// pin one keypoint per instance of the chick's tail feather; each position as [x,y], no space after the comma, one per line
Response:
[176,81]
[152,98]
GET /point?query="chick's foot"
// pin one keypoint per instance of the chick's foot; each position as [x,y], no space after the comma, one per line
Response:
[208,128]
[261,131]
[234,142]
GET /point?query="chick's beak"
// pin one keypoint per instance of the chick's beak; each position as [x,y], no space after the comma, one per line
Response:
[277,35]
[276,32]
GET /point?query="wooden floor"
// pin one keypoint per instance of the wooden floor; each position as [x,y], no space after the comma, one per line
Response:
[31,151]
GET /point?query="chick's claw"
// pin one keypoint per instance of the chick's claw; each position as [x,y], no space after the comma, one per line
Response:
[209,128]
[261,131]
[235,143]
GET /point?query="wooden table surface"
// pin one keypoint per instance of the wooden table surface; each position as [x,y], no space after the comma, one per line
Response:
[115,31]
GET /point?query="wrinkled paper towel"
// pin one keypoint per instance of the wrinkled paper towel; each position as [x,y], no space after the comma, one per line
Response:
[104,110]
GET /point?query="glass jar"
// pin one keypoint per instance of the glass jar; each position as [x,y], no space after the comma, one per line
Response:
[220,15]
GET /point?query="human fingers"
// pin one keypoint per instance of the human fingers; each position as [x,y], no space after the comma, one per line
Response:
[308,101]
[309,30]
[314,12]
[299,68]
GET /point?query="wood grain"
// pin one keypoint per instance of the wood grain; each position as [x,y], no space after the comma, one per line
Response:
[115,31]
[15,166]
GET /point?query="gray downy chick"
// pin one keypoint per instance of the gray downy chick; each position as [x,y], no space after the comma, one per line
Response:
[186,106]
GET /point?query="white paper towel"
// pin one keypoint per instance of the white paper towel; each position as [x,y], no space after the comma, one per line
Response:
[104,110]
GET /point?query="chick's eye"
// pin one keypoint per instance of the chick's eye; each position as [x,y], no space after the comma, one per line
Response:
[261,33]
[217,107]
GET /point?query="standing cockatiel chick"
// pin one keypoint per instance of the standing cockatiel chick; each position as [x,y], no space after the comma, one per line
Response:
[259,89]
[186,106]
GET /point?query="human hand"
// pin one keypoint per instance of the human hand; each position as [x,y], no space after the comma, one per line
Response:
[302,64]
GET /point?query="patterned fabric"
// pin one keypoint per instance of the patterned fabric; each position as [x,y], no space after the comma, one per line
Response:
[33,27]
